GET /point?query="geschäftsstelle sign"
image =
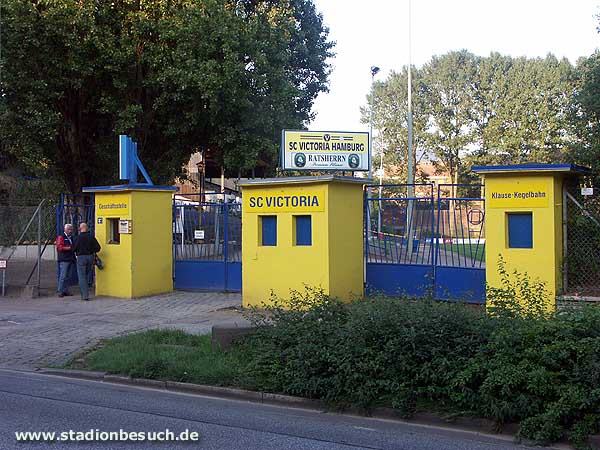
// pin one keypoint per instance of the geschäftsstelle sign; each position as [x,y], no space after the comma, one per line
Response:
[325,150]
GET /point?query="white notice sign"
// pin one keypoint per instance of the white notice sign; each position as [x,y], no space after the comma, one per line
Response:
[3,264]
[587,191]
[198,234]
[124,226]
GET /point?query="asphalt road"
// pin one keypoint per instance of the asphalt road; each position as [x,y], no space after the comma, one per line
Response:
[36,402]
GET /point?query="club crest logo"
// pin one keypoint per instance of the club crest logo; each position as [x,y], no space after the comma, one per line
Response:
[300,160]
[353,161]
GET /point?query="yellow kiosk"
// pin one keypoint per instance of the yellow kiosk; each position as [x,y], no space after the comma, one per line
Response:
[134,227]
[524,221]
[302,231]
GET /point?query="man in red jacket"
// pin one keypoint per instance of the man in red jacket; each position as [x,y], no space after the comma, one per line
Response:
[66,259]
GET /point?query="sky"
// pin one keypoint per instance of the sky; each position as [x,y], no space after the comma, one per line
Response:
[375,32]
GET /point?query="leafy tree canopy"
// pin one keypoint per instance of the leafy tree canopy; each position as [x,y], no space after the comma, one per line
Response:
[586,113]
[176,75]
[479,110]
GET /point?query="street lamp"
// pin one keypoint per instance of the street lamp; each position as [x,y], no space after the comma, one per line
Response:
[374,71]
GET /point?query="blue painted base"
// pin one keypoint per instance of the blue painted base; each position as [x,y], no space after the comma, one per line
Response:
[460,283]
[396,279]
[234,277]
[208,275]
[449,283]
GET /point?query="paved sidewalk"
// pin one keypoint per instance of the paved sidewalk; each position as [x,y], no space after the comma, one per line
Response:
[50,330]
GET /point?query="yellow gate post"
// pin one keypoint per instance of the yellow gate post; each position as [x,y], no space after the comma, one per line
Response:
[134,227]
[302,231]
[524,221]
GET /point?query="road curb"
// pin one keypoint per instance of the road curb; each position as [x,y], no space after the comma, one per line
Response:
[119,379]
[87,374]
[459,423]
[219,391]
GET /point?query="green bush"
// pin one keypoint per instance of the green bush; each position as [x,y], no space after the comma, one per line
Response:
[526,366]
[519,364]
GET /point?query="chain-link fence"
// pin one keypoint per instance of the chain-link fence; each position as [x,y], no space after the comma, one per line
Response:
[582,256]
[27,235]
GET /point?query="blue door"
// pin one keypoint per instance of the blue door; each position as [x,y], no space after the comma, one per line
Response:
[425,242]
[207,246]
[460,243]
[398,239]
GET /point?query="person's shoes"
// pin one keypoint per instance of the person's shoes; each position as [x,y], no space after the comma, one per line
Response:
[67,294]
[85,299]
[61,295]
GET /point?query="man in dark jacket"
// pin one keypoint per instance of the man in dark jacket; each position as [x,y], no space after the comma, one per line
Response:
[85,247]
[66,259]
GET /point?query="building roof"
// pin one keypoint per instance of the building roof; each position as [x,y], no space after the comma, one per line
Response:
[130,187]
[533,168]
[303,180]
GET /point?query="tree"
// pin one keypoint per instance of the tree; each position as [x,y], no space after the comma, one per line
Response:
[177,75]
[449,91]
[481,110]
[390,117]
[523,109]
[586,113]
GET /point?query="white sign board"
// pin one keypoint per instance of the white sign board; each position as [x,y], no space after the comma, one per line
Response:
[3,264]
[124,226]
[587,191]
[325,150]
[198,234]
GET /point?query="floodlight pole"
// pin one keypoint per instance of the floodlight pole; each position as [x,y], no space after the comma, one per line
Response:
[410,165]
[380,186]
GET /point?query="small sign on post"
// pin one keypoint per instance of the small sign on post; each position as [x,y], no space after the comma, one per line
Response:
[587,191]
[198,234]
[3,267]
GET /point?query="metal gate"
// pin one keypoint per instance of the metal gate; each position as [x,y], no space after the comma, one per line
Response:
[75,214]
[424,241]
[207,246]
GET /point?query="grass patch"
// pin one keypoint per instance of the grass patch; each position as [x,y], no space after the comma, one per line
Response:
[168,355]
[473,251]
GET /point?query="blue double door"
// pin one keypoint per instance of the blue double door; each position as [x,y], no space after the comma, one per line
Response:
[426,242]
[207,246]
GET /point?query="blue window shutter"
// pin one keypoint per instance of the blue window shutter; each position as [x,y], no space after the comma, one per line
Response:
[269,230]
[303,230]
[520,230]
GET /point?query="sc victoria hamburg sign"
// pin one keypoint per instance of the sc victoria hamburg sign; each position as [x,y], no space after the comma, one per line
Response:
[324,150]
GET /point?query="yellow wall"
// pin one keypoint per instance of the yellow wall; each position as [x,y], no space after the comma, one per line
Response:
[346,240]
[334,261]
[142,263]
[152,261]
[558,231]
[544,260]
[283,267]
[115,279]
